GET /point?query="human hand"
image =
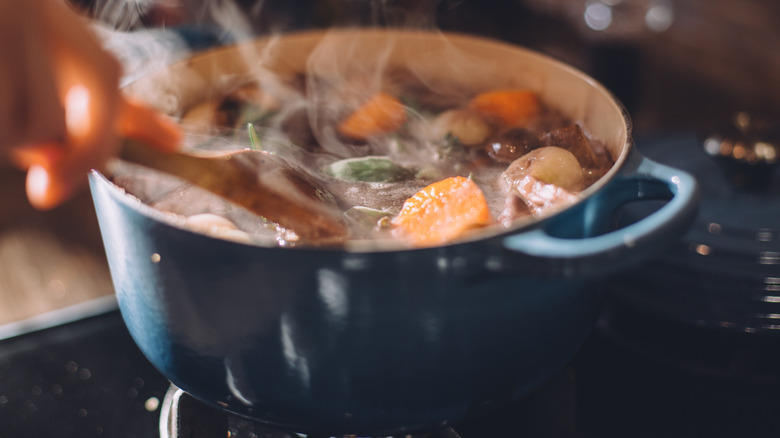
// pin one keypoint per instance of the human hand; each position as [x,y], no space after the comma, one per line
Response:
[61,111]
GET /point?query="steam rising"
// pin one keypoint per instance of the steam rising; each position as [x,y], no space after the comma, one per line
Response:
[325,81]
[147,35]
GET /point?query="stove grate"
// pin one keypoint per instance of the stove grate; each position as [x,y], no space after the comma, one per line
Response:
[183,416]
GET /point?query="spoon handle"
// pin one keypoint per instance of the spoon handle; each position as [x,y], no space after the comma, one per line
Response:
[253,180]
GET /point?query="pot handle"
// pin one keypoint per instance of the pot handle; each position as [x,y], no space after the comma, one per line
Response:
[578,241]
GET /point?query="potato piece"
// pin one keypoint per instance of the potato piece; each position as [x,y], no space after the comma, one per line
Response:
[467,127]
[209,221]
[202,118]
[252,93]
[216,226]
[544,178]
[552,165]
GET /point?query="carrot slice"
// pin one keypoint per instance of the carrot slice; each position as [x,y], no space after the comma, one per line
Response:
[442,212]
[510,108]
[381,114]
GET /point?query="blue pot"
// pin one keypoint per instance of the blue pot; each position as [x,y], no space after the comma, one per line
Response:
[382,342]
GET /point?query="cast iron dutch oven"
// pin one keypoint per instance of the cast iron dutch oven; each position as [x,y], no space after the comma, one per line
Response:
[383,341]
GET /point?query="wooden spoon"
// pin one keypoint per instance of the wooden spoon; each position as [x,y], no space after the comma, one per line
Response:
[255,180]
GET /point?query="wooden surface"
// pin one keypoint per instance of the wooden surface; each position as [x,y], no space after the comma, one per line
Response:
[48,260]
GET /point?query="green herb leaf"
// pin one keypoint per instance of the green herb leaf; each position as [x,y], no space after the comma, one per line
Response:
[254,137]
[368,169]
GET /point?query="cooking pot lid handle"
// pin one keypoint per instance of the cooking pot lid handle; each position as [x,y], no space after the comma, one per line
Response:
[578,243]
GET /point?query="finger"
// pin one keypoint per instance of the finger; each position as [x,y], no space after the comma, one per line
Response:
[30,110]
[54,181]
[87,79]
[41,154]
[39,188]
[140,122]
[44,190]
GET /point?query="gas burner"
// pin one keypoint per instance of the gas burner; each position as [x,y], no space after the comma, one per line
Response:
[182,415]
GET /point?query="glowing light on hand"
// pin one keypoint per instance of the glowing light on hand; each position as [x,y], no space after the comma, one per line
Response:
[77,110]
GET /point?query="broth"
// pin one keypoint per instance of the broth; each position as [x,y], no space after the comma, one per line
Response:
[400,159]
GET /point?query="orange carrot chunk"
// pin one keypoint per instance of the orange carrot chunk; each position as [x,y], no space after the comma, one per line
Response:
[509,108]
[442,212]
[381,114]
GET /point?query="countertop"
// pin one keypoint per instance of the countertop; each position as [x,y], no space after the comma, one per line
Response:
[49,261]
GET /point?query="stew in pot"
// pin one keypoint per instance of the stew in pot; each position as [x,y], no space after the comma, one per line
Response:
[420,164]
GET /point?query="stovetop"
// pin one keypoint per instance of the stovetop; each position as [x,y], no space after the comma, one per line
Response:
[635,376]
[82,379]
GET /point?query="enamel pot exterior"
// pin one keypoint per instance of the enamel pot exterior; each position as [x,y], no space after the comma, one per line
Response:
[384,342]
[328,341]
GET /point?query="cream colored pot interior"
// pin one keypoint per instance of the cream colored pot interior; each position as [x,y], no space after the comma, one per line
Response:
[473,62]
[460,61]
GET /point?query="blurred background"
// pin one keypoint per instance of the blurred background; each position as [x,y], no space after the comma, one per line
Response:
[677,65]
[707,56]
